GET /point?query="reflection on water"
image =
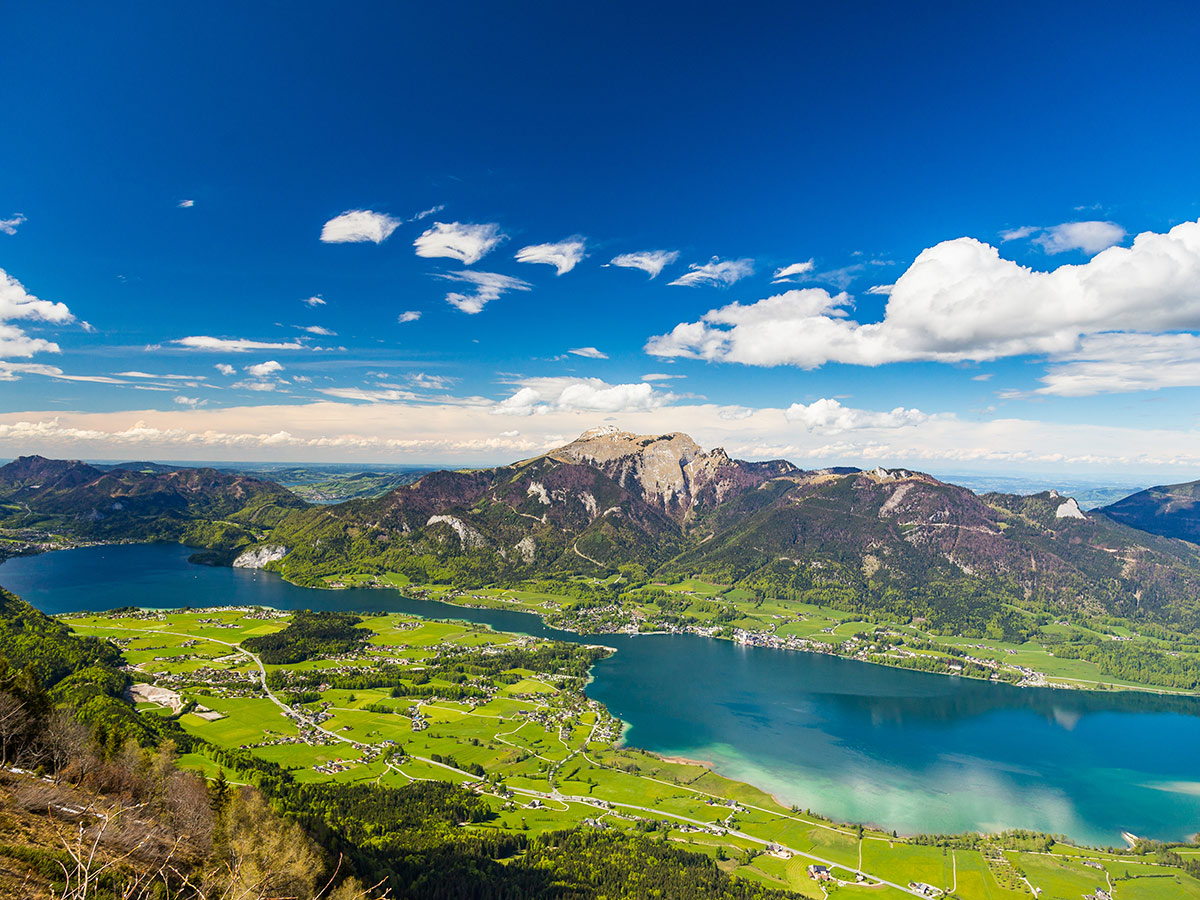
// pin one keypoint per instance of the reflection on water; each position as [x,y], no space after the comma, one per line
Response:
[903,749]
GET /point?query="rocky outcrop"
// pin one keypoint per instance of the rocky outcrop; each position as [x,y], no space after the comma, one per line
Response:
[258,557]
[1069,510]
[470,538]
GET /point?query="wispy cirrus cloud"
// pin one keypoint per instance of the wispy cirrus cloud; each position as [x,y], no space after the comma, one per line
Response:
[151,375]
[455,240]
[588,352]
[318,329]
[426,213]
[12,371]
[359,226]
[652,262]
[186,204]
[718,272]
[488,286]
[789,273]
[11,224]
[255,385]
[564,255]
[1090,237]
[206,343]
[313,301]
[1123,363]
[369,395]
[1018,234]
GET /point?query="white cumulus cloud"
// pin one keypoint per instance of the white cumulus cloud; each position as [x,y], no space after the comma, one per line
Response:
[454,240]
[651,262]
[358,226]
[564,255]
[723,272]
[263,369]
[17,303]
[488,286]
[225,368]
[540,396]
[408,316]
[830,417]
[960,301]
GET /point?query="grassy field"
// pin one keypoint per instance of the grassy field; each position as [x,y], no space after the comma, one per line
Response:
[548,755]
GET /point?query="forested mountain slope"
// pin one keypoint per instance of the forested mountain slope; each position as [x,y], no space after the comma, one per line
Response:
[204,506]
[659,506]
[1171,510]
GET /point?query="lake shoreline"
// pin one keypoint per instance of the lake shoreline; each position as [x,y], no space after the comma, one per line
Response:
[672,692]
[1099,687]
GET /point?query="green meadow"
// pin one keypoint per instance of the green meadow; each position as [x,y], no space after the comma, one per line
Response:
[420,699]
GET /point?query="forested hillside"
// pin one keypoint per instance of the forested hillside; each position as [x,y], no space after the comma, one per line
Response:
[202,507]
[893,542]
[1171,510]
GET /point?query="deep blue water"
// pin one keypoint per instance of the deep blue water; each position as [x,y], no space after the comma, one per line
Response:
[858,742]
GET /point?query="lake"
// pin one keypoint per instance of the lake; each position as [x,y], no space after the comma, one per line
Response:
[857,742]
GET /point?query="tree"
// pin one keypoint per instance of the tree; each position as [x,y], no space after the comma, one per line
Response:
[262,855]
[218,792]
[15,722]
[66,743]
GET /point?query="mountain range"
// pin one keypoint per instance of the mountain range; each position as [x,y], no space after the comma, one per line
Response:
[659,507]
[139,501]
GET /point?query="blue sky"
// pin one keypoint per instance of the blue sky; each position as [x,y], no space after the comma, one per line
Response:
[167,174]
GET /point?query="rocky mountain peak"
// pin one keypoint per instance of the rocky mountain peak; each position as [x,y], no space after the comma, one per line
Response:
[661,468]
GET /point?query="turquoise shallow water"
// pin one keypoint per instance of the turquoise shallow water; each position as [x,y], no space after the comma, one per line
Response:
[857,742]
